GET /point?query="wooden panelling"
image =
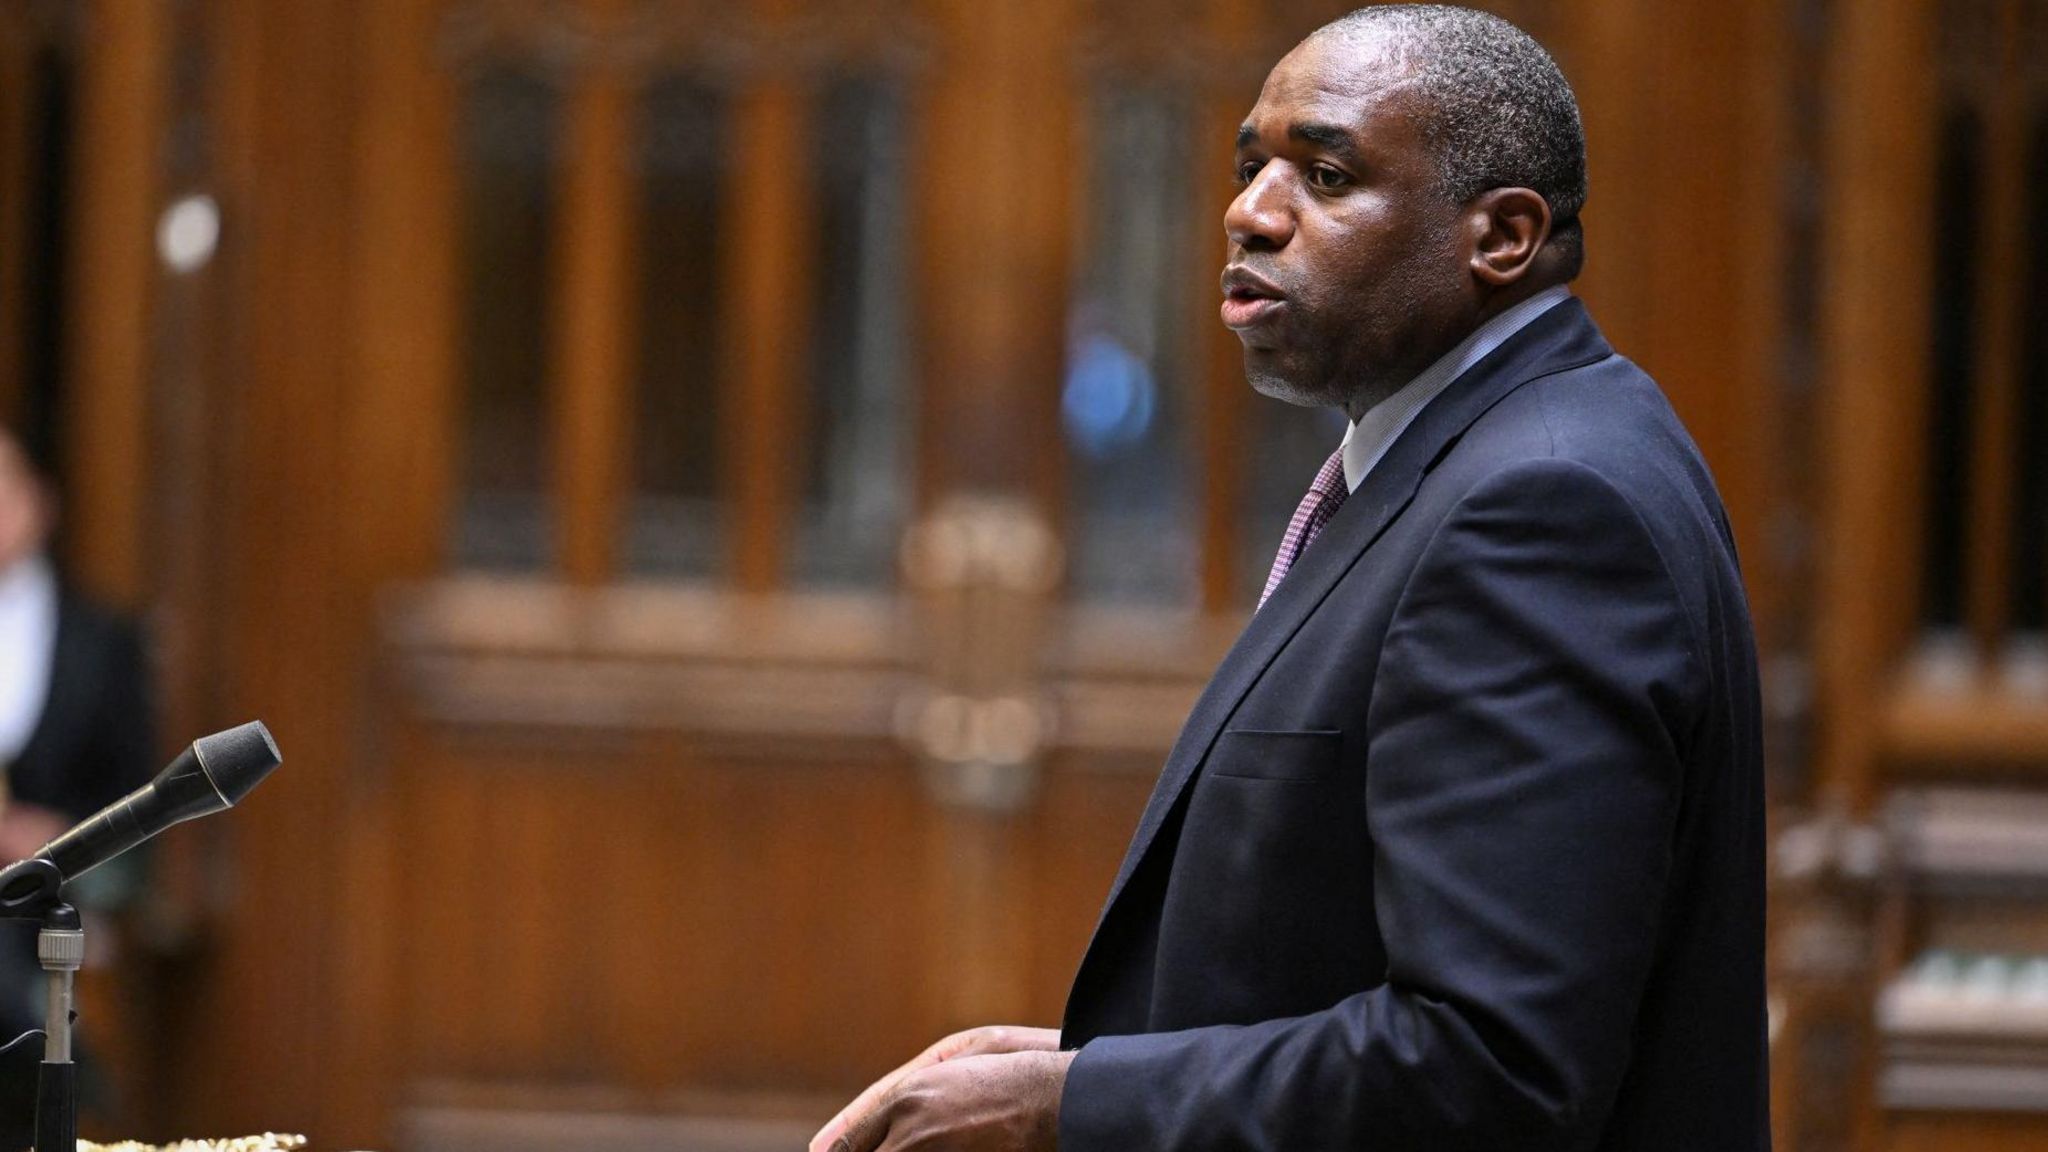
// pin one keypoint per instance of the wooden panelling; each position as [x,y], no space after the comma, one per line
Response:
[652,910]
[1681,107]
[402,438]
[648,843]
[290,645]
[1604,53]
[1077,833]
[1874,349]
[123,46]
[634,912]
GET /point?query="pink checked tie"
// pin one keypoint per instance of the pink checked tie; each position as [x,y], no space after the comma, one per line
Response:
[1324,497]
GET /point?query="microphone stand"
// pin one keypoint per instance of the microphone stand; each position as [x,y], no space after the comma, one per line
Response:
[214,773]
[32,894]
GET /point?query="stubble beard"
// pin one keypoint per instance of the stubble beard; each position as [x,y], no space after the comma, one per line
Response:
[1324,377]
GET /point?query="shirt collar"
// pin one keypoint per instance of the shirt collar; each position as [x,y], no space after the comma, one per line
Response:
[1369,437]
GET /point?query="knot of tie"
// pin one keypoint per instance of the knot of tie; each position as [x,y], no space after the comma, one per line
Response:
[1325,495]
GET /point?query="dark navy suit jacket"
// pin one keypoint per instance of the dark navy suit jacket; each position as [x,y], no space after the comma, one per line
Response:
[1462,847]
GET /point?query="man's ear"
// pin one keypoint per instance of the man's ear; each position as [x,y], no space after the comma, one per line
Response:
[1509,227]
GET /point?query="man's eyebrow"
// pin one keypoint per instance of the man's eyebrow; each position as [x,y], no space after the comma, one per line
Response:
[1327,136]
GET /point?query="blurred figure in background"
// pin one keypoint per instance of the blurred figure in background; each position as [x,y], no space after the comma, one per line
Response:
[75,735]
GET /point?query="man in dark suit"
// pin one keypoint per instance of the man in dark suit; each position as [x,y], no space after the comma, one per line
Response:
[1462,847]
[75,735]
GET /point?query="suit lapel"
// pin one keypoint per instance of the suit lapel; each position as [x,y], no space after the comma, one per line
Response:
[1562,338]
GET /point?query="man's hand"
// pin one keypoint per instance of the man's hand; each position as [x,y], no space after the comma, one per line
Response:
[991,1041]
[1002,1103]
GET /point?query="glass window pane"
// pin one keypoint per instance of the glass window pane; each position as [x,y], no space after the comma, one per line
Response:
[1129,379]
[508,141]
[858,412]
[676,519]
[1955,342]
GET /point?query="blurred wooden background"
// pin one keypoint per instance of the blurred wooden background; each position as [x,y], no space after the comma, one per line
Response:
[724,506]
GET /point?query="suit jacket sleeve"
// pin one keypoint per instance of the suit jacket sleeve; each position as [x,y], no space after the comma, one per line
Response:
[1535,691]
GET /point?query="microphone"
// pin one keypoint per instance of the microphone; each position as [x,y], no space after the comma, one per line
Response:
[214,773]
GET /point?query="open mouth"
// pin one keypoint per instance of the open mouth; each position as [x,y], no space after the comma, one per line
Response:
[1241,312]
[1249,299]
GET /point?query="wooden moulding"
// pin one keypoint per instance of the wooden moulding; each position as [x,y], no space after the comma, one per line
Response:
[1972,732]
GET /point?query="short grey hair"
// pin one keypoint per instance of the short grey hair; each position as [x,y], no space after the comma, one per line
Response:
[1501,112]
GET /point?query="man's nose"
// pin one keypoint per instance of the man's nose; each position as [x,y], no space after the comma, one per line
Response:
[1261,216]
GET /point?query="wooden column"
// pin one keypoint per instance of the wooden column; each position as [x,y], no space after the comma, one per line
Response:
[406,293]
[1874,348]
[1684,111]
[1752,468]
[402,436]
[1605,53]
[995,162]
[592,353]
[121,52]
[1223,405]
[994,243]
[262,992]
[1711,235]
[765,292]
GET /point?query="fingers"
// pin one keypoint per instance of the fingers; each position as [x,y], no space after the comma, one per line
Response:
[972,1042]
[1014,1038]
[830,1133]
[864,1103]
[867,1131]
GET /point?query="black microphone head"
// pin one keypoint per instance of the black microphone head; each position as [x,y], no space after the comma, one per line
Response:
[212,774]
[237,760]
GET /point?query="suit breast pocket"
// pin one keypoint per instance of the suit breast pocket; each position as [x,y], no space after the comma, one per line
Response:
[1268,911]
[1301,757]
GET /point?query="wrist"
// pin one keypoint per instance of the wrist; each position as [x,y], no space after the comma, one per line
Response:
[1053,1086]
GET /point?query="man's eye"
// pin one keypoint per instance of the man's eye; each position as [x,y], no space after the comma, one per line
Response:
[1247,170]
[1326,178]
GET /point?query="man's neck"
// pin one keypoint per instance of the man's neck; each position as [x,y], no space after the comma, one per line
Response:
[1375,428]
[1371,396]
